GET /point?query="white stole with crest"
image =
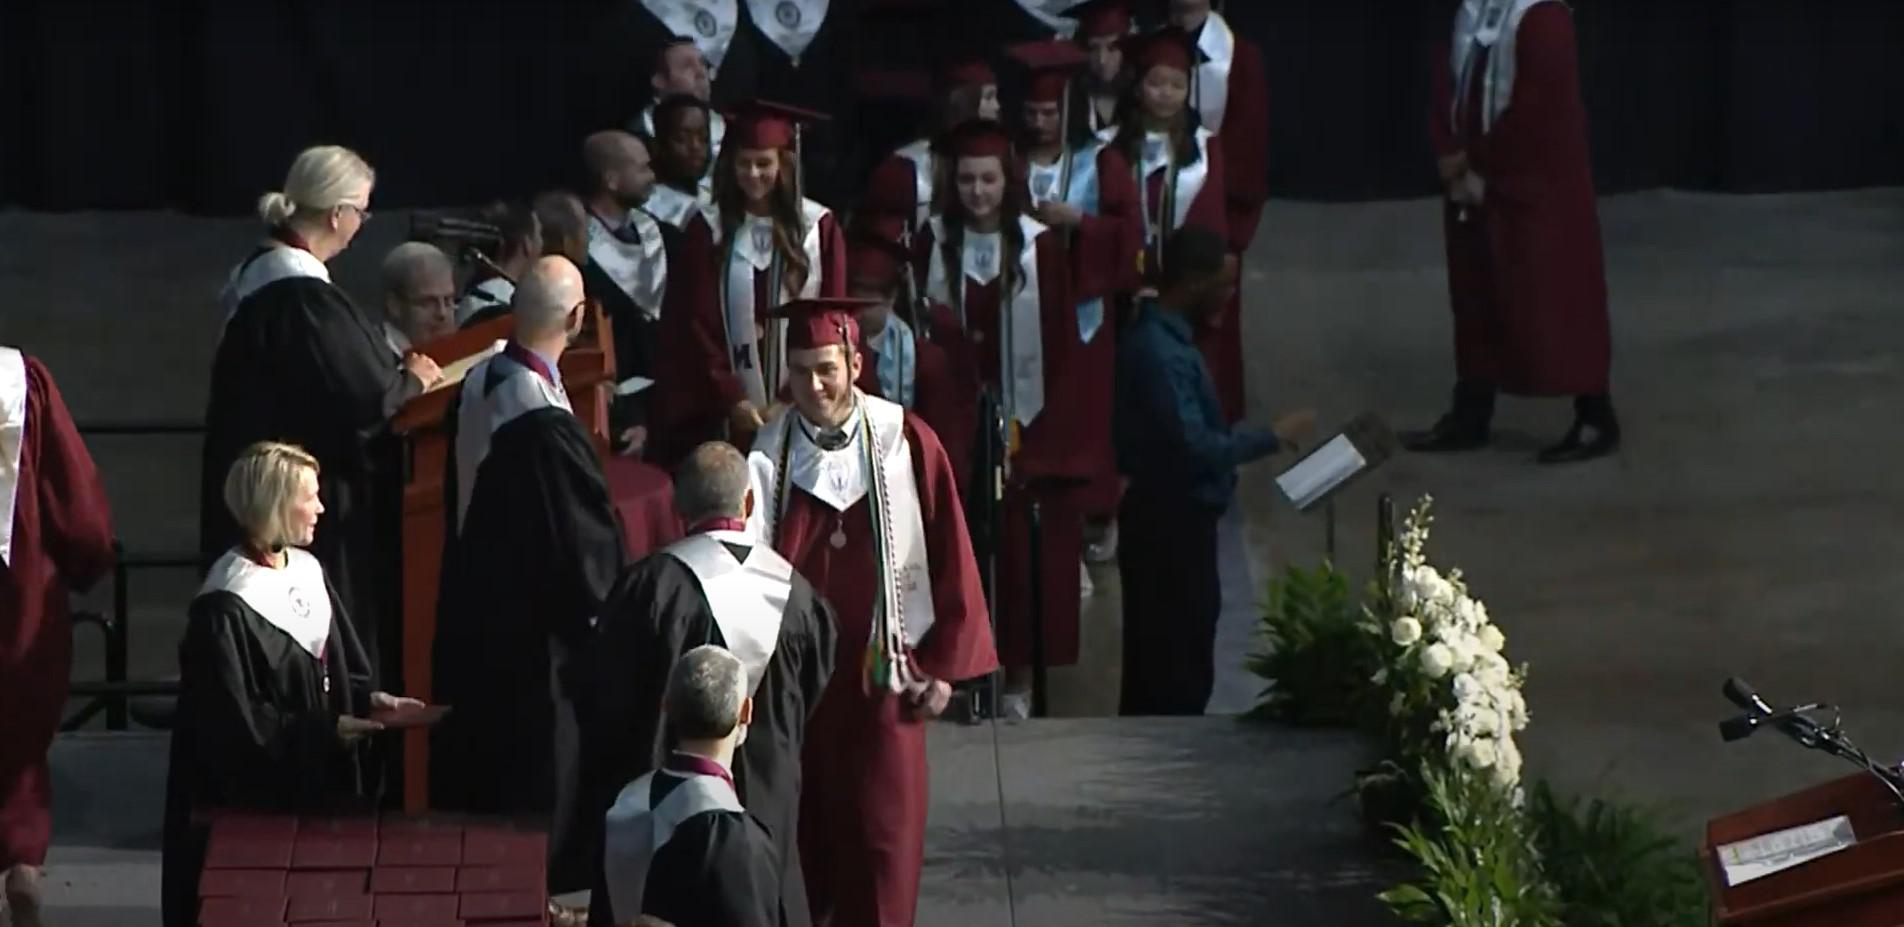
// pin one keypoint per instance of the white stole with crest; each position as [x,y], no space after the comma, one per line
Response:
[483,408]
[753,251]
[640,268]
[1020,313]
[293,599]
[747,598]
[1211,96]
[789,24]
[1190,179]
[710,23]
[12,441]
[1492,24]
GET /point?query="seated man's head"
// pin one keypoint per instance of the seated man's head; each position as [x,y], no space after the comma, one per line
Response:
[707,702]
[271,491]
[712,484]
[680,68]
[1199,275]
[521,233]
[564,223]
[419,291]
[683,127]
[549,303]
[618,168]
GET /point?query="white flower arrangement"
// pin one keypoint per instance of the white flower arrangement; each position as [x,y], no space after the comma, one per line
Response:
[1447,664]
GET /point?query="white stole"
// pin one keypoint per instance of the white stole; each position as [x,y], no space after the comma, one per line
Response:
[1050,14]
[675,207]
[710,23]
[716,132]
[898,364]
[1190,179]
[1020,316]
[634,831]
[482,409]
[294,599]
[920,154]
[276,263]
[752,252]
[789,24]
[1073,179]
[838,479]
[1492,24]
[748,598]
[640,269]
[1211,95]
[12,441]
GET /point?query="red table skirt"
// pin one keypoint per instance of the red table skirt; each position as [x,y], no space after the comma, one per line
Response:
[645,497]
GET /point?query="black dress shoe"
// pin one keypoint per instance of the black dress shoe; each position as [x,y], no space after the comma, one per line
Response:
[1450,434]
[1577,446]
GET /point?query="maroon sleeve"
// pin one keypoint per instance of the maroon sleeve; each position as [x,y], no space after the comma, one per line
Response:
[1104,259]
[832,257]
[960,645]
[75,519]
[1245,142]
[1211,207]
[693,372]
[1542,134]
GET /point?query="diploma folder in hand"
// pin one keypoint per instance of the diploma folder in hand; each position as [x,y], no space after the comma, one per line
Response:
[1364,444]
[410,717]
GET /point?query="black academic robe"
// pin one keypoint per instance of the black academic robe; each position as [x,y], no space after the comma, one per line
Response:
[656,613]
[716,871]
[301,363]
[540,546]
[634,342]
[257,731]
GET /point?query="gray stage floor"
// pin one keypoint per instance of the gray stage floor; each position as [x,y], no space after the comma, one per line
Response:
[1750,526]
[1064,822]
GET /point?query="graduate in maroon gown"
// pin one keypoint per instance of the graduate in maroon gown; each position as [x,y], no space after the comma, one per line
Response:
[1006,279]
[1183,171]
[1083,188]
[1103,28]
[858,494]
[903,364]
[1526,274]
[1230,93]
[55,535]
[720,364]
[908,180]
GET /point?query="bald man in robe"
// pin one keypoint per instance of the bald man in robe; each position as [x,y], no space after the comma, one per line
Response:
[627,269]
[534,545]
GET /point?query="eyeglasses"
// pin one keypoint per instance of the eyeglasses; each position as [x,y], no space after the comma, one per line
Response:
[363,215]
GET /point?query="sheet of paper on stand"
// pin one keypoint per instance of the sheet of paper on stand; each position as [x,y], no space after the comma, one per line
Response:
[455,371]
[1364,444]
[1781,850]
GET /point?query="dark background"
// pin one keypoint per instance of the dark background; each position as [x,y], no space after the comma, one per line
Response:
[199,105]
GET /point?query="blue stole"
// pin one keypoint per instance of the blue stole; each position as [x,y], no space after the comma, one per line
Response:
[1083,193]
[898,361]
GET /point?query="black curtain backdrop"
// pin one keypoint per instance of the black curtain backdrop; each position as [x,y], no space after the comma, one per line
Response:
[200,104]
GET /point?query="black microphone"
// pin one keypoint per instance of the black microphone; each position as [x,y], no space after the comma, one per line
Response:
[1745,726]
[1740,693]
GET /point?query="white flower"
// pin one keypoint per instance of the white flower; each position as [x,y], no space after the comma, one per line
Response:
[1465,613]
[1466,687]
[1464,650]
[1405,631]
[1507,764]
[1492,640]
[1517,709]
[1491,669]
[1478,720]
[1436,660]
[1479,753]
[1396,704]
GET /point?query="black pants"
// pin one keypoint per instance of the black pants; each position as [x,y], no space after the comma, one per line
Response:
[1166,557]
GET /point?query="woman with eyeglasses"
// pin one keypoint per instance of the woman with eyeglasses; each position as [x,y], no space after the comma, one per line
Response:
[299,361]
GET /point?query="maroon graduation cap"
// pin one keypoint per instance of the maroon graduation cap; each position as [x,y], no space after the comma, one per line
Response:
[966,72]
[1050,65]
[875,252]
[764,124]
[1169,47]
[977,138]
[822,322]
[1098,18]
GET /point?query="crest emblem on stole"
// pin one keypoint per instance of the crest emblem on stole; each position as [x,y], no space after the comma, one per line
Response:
[788,14]
[706,24]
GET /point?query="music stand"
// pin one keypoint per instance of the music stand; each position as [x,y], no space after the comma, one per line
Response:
[1362,446]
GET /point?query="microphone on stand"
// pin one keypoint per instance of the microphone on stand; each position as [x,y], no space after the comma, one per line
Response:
[1740,693]
[1745,726]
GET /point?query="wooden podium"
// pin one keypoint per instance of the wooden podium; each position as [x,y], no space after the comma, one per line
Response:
[1859,886]
[588,375]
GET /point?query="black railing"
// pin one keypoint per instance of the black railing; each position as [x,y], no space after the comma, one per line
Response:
[112,695]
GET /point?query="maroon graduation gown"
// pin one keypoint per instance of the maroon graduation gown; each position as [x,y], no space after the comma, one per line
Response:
[1103,251]
[1054,457]
[1244,139]
[937,397]
[1221,343]
[695,382]
[863,812]
[62,539]
[1526,274]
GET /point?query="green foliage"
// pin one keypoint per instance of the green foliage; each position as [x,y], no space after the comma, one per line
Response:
[1615,865]
[1477,860]
[1317,656]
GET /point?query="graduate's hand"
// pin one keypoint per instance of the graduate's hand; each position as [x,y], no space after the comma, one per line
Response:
[1058,214]
[1451,167]
[384,701]
[742,421]
[930,700]
[423,368]
[1477,188]
[351,729]
[634,440]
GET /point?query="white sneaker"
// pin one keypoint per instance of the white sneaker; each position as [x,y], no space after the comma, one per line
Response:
[1104,549]
[1086,588]
[1014,706]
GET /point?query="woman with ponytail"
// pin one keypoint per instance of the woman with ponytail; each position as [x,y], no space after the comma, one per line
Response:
[300,362]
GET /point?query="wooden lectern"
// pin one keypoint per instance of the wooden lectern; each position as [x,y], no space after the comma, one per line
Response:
[588,375]
[1859,886]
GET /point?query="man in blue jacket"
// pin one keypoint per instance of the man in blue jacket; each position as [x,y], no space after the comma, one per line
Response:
[1180,455]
